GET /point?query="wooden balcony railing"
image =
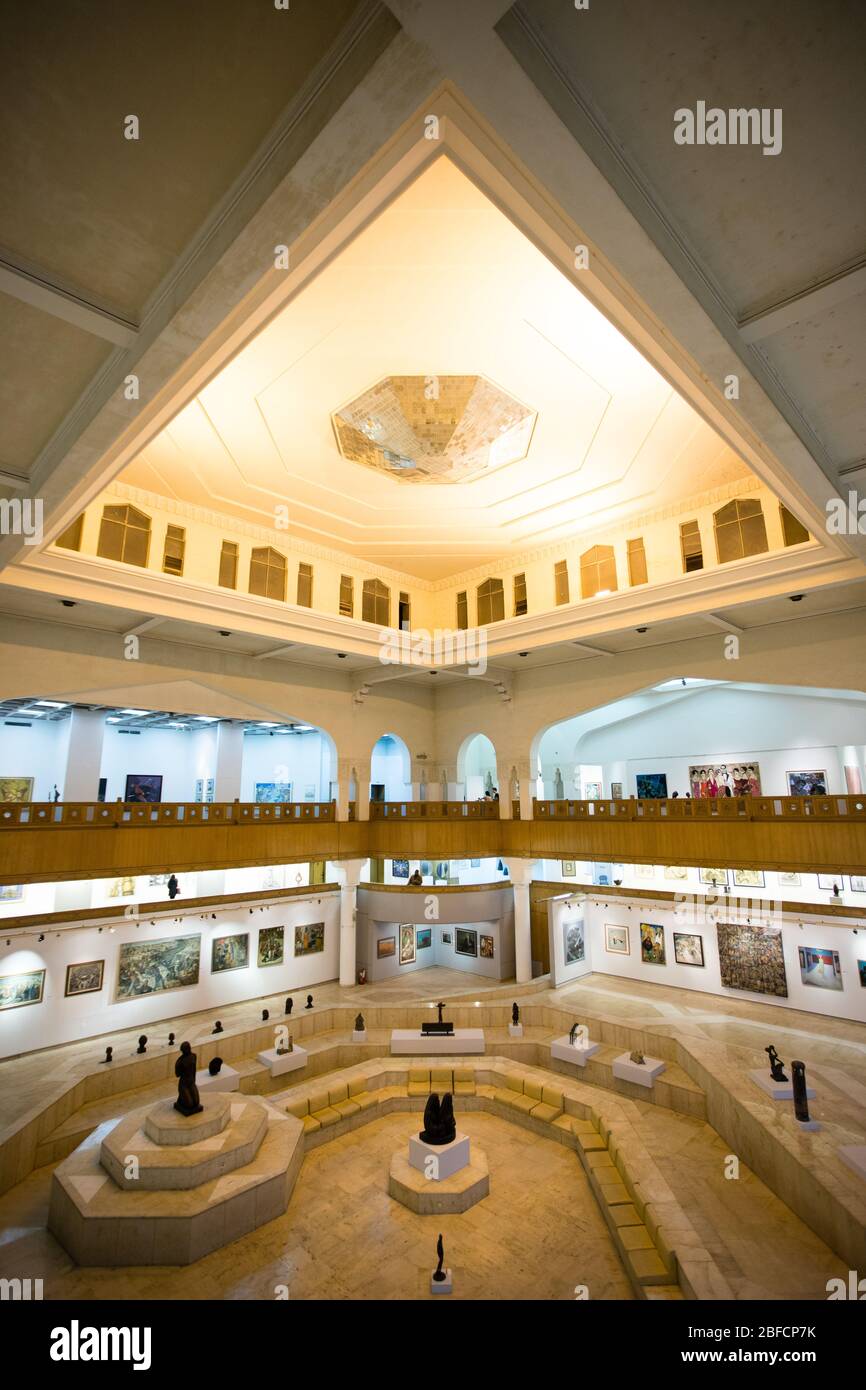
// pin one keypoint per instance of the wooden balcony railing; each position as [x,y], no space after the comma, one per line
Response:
[723,809]
[99,815]
[434,810]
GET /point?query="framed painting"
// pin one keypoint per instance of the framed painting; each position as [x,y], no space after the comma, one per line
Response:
[616,791]
[644,871]
[820,967]
[17,789]
[688,948]
[616,940]
[789,880]
[486,947]
[725,779]
[591,791]
[151,967]
[858,884]
[84,978]
[386,946]
[400,868]
[861,968]
[271,946]
[602,875]
[310,940]
[652,786]
[465,942]
[751,958]
[714,877]
[423,938]
[11,892]
[273,791]
[573,943]
[568,867]
[676,872]
[25,988]
[827,882]
[407,943]
[748,878]
[446,938]
[425,868]
[652,944]
[475,863]
[143,786]
[807,783]
[230,953]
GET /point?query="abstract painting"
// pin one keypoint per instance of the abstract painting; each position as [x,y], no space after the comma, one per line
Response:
[407,943]
[486,947]
[143,786]
[652,944]
[400,868]
[652,786]
[18,990]
[616,941]
[150,967]
[807,783]
[465,942]
[725,779]
[310,940]
[271,945]
[273,791]
[677,872]
[751,958]
[789,880]
[591,791]
[386,946]
[861,966]
[748,878]
[616,791]
[230,953]
[602,875]
[574,946]
[715,877]
[17,789]
[688,948]
[423,938]
[85,978]
[820,967]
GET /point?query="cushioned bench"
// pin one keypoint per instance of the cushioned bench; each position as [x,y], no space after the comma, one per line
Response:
[419,1082]
[531,1097]
[464,1081]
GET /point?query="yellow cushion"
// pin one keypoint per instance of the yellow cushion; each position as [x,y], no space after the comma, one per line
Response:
[338,1093]
[547,1113]
[464,1088]
[364,1099]
[357,1086]
[532,1088]
[319,1101]
[504,1097]
[348,1107]
[327,1116]
[300,1108]
[524,1103]
[439,1078]
[464,1074]
[419,1088]
[419,1074]
[514,1082]
[591,1143]
[551,1096]
[309,1123]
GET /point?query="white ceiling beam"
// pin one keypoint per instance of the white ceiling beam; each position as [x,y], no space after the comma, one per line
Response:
[275,651]
[16,480]
[141,627]
[35,289]
[806,304]
[721,623]
[593,651]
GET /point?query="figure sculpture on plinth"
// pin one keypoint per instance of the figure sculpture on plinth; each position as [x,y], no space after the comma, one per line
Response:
[572,1034]
[360,1025]
[777,1066]
[515,1015]
[637,1057]
[439,1273]
[440,1127]
[289,1005]
[214,1066]
[801,1100]
[441,1008]
[188,1102]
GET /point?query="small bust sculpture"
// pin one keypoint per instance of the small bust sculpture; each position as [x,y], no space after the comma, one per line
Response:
[289,1005]
[777,1066]
[637,1057]
[171,1039]
[515,1014]
[188,1102]
[217,1028]
[309,1003]
[265,1015]
[142,1043]
[360,1025]
[109,1055]
[440,1127]
[214,1066]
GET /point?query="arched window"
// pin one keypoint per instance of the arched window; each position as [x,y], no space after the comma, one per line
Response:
[597,571]
[124,534]
[740,530]
[491,602]
[268,573]
[376,603]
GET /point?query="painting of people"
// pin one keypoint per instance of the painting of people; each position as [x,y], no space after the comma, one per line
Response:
[751,958]
[150,967]
[725,779]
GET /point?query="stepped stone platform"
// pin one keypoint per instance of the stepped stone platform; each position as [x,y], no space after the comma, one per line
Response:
[457,1193]
[233,1172]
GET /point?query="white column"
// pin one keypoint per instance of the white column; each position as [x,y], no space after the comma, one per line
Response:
[362,787]
[505,767]
[850,770]
[521,873]
[344,789]
[84,755]
[348,874]
[229,762]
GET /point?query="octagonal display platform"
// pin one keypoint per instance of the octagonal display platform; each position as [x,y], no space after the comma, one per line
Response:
[456,1193]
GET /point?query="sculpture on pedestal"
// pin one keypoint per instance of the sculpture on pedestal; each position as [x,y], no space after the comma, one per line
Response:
[801,1101]
[188,1102]
[777,1066]
[309,1003]
[109,1055]
[142,1043]
[439,1273]
[214,1066]
[289,1005]
[515,1015]
[265,1015]
[217,1028]
[572,1034]
[440,1127]
[637,1057]
[173,887]
[171,1039]
[440,1008]
[360,1025]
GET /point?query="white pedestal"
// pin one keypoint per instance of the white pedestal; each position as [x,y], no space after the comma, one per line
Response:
[227,1079]
[777,1090]
[359,1035]
[515,1030]
[807,1124]
[411,1042]
[854,1155]
[576,1053]
[289,1061]
[445,1285]
[642,1075]
[450,1158]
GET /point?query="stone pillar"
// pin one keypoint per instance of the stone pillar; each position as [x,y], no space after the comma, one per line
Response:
[361,779]
[508,769]
[80,779]
[344,787]
[229,762]
[521,873]
[851,770]
[348,874]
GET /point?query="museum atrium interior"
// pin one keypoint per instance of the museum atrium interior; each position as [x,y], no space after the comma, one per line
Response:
[418,588]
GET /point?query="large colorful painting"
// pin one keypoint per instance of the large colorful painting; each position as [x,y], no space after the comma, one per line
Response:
[271,945]
[150,967]
[820,967]
[688,948]
[17,789]
[407,943]
[400,868]
[486,947]
[725,779]
[652,944]
[573,944]
[84,978]
[143,786]
[18,990]
[807,783]
[310,940]
[424,938]
[651,786]
[465,942]
[273,791]
[751,958]
[230,953]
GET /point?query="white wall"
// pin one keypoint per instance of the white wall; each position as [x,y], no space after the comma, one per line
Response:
[559,914]
[653,876]
[379,914]
[38,752]
[304,760]
[389,766]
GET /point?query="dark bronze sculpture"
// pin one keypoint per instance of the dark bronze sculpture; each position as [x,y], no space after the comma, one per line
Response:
[572,1034]
[289,1005]
[188,1102]
[777,1066]
[515,1015]
[439,1273]
[440,1007]
[801,1100]
[173,887]
[265,1015]
[214,1066]
[360,1025]
[637,1057]
[440,1127]
[109,1055]
[171,1039]
[142,1043]
[217,1028]
[309,1003]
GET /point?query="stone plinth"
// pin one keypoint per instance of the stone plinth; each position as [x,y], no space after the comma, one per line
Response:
[641,1073]
[777,1090]
[455,1194]
[166,1126]
[577,1054]
[278,1063]
[226,1079]
[170,1167]
[439,1161]
[411,1042]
